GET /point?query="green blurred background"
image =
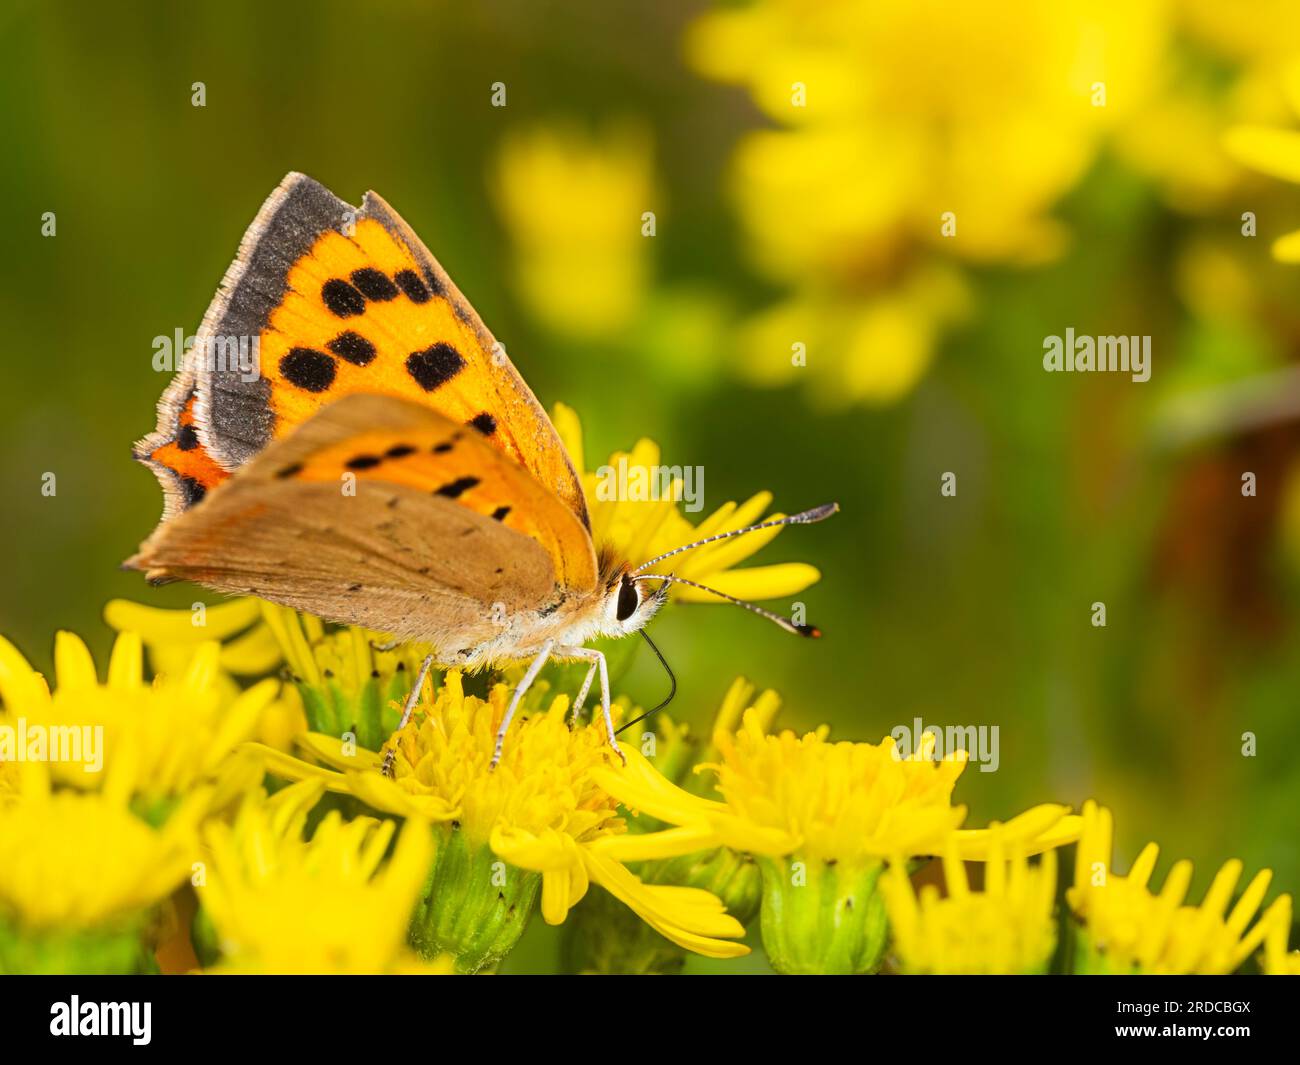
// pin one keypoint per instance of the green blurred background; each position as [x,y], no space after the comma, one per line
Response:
[776,223]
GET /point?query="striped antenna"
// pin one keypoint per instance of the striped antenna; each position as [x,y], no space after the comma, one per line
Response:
[784,622]
[806,518]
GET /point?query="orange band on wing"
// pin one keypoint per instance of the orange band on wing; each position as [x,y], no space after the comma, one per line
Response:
[194,470]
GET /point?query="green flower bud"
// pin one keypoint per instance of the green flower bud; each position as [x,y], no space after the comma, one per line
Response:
[821,917]
[474,906]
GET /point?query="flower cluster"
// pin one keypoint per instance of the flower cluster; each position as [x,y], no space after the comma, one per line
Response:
[217,818]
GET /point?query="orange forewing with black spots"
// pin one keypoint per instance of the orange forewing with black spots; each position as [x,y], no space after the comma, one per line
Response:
[343,301]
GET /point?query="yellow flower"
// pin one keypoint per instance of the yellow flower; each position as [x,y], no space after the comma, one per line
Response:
[345,682]
[820,818]
[1007,928]
[642,529]
[846,803]
[1127,928]
[79,871]
[1275,152]
[911,134]
[540,811]
[329,904]
[249,648]
[573,205]
[912,107]
[168,736]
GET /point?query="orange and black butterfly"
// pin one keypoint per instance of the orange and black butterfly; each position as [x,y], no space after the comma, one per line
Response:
[347,439]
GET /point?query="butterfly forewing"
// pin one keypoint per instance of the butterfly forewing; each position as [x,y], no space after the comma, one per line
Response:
[342,301]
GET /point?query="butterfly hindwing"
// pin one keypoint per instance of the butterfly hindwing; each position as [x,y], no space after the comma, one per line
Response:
[174,452]
[380,512]
[332,301]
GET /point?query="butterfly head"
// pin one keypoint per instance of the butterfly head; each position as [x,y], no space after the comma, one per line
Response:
[629,604]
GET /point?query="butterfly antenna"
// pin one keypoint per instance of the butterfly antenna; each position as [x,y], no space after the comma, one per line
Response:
[672,680]
[807,517]
[784,622]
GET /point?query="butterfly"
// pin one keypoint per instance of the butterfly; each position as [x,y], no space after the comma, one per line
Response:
[346,438]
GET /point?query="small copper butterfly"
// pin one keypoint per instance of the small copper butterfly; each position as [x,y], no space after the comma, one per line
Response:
[380,462]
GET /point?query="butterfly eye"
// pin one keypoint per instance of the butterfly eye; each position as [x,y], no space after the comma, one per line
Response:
[628,600]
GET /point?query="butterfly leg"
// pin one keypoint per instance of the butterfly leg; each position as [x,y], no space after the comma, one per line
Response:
[597,659]
[530,675]
[582,694]
[391,756]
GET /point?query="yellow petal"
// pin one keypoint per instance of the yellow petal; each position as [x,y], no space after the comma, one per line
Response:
[21,688]
[126,666]
[675,913]
[283,765]
[1275,152]
[377,790]
[644,846]
[73,665]
[1038,829]
[177,626]
[639,786]
[756,582]
[331,751]
[1287,249]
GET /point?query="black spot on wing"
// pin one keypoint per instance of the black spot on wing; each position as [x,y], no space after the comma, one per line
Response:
[500,513]
[363,462]
[399,451]
[308,369]
[411,285]
[434,282]
[484,423]
[353,347]
[435,365]
[441,449]
[455,489]
[291,470]
[374,285]
[187,438]
[342,299]
[192,491]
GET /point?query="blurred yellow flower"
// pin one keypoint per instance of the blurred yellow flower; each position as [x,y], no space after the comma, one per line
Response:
[1265,33]
[172,637]
[574,206]
[169,736]
[643,529]
[329,904]
[1007,928]
[908,131]
[1128,929]
[1275,152]
[73,861]
[249,649]
[540,810]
